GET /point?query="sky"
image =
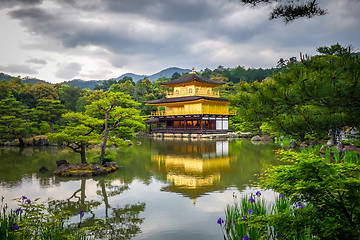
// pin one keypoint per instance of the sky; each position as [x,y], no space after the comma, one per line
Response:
[60,40]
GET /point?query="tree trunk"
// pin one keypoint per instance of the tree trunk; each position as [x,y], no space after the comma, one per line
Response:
[21,141]
[82,153]
[259,130]
[103,145]
[104,194]
[51,127]
[83,196]
[103,148]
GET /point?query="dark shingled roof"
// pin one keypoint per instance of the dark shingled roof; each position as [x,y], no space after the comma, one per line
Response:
[186,99]
[189,77]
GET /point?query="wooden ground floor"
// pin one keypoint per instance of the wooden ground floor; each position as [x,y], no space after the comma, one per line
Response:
[189,124]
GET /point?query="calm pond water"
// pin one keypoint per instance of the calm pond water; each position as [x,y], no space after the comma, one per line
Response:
[164,189]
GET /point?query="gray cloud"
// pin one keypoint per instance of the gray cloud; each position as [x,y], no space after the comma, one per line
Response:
[18,68]
[68,71]
[151,35]
[13,3]
[37,61]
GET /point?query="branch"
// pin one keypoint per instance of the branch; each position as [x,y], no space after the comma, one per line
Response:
[74,149]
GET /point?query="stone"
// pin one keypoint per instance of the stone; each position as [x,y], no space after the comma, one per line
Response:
[111,165]
[62,169]
[97,170]
[323,149]
[129,142]
[61,162]
[256,138]
[266,139]
[244,135]
[292,144]
[43,169]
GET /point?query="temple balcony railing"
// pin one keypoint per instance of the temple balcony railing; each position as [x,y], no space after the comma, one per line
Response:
[204,93]
[163,113]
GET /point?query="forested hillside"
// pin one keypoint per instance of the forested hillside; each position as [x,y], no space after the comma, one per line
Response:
[304,98]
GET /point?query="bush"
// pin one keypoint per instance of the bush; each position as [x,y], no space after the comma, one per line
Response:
[323,201]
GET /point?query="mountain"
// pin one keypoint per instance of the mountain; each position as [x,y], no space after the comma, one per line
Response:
[91,83]
[168,72]
[164,73]
[135,77]
[7,77]
[82,83]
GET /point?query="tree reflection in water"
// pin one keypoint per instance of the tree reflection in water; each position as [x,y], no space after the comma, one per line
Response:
[118,223]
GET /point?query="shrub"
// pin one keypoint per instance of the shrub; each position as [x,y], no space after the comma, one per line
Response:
[323,201]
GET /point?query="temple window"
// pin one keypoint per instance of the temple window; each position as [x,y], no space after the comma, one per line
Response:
[190,90]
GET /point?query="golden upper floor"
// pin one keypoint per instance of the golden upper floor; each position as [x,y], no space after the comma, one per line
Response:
[192,90]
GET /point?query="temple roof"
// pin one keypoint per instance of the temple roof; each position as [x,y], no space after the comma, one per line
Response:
[186,99]
[190,77]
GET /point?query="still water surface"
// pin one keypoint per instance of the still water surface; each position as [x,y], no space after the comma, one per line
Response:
[164,189]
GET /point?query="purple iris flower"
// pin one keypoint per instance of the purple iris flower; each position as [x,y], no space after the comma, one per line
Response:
[250,211]
[19,210]
[220,221]
[251,199]
[244,218]
[15,227]
[282,196]
[28,201]
[299,205]
[246,238]
[258,193]
[23,198]
[81,213]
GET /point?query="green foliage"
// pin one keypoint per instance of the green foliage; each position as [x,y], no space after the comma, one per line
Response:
[323,202]
[105,85]
[13,121]
[79,132]
[238,74]
[69,96]
[117,113]
[307,98]
[332,188]
[32,221]
[257,219]
[50,111]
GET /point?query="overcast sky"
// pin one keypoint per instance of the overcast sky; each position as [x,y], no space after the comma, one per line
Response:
[58,40]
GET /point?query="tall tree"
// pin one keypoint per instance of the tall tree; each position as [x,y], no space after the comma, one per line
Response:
[311,96]
[79,132]
[13,123]
[69,96]
[115,110]
[49,111]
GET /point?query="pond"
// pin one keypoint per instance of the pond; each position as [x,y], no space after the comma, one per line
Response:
[164,189]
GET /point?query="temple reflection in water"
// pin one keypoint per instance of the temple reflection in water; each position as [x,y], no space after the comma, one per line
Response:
[193,167]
